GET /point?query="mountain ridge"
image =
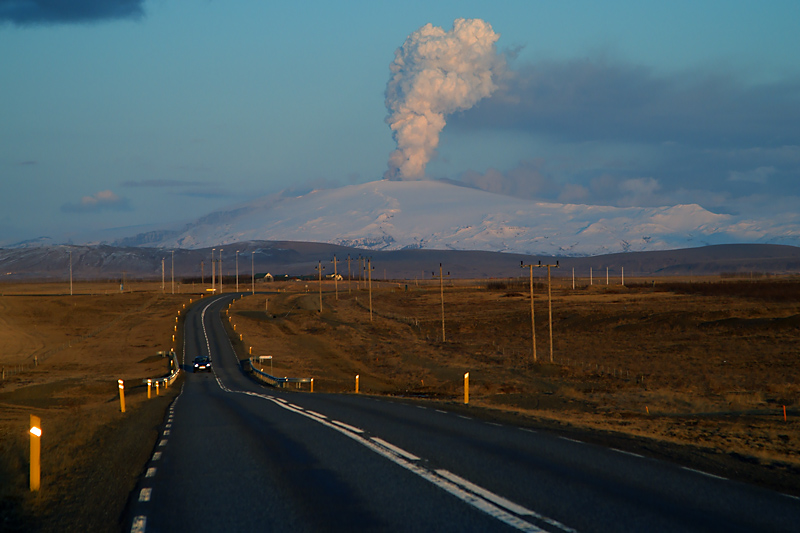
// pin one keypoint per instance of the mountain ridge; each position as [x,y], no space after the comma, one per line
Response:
[396,215]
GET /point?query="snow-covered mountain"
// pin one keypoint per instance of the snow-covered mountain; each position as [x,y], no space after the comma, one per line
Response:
[395,215]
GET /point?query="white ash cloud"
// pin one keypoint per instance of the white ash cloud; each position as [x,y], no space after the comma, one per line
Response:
[436,73]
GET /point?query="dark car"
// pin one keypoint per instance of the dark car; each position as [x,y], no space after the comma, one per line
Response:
[202,363]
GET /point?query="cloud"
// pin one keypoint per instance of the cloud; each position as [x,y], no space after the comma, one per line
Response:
[162,183]
[102,201]
[600,100]
[30,12]
[615,133]
[526,181]
[758,175]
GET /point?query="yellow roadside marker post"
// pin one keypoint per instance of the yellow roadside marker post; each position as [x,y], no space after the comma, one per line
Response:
[356,383]
[156,388]
[312,384]
[149,386]
[466,388]
[121,395]
[36,448]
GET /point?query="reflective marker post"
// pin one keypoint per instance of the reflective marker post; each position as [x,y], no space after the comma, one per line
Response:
[466,388]
[36,447]
[121,395]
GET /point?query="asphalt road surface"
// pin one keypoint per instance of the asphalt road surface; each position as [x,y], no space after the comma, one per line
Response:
[238,456]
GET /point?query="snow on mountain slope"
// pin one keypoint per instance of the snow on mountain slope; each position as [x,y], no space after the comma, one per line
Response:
[393,215]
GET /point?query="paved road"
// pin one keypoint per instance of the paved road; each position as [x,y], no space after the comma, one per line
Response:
[236,456]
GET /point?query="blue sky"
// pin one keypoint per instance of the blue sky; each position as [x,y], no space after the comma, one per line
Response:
[122,113]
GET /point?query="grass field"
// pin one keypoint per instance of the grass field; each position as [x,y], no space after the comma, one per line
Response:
[695,372]
[92,454]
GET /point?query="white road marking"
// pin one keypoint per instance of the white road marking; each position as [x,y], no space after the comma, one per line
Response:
[704,473]
[399,451]
[151,472]
[528,430]
[139,524]
[499,500]
[571,440]
[385,449]
[464,417]
[156,456]
[628,453]
[347,427]
[318,415]
[166,432]
[163,442]
[144,495]
[440,411]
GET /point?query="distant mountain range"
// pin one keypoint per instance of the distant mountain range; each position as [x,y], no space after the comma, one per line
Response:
[102,262]
[405,215]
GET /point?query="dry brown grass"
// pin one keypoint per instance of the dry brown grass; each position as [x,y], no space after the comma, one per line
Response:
[91,453]
[713,366]
[684,364]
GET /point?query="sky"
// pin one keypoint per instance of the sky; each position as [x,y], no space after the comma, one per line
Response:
[118,115]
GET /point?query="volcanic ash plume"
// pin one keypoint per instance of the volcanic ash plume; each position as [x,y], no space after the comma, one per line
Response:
[436,73]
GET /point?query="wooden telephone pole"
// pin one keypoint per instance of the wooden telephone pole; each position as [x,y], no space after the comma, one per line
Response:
[549,304]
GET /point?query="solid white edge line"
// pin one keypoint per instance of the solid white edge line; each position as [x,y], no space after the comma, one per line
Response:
[499,500]
[139,524]
[571,440]
[408,455]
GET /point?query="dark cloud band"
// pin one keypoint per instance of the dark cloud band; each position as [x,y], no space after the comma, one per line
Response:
[29,12]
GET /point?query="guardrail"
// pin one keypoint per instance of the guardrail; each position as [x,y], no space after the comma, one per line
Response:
[173,375]
[276,381]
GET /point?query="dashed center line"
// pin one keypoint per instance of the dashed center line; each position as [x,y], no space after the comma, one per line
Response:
[144,495]
[151,472]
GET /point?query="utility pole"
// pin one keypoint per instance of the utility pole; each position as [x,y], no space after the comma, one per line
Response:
[441,291]
[549,304]
[253,270]
[173,271]
[237,270]
[320,268]
[369,268]
[360,273]
[220,270]
[202,273]
[349,277]
[335,276]
[162,276]
[70,272]
[213,273]
[533,317]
